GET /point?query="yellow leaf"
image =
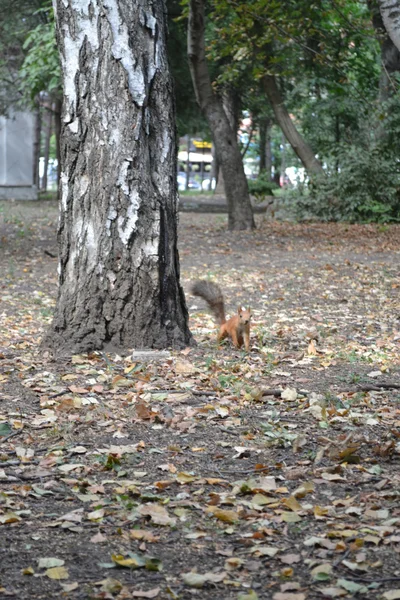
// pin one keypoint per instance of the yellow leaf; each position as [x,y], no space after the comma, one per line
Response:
[57,573]
[320,511]
[290,517]
[291,503]
[9,518]
[125,562]
[227,516]
[185,477]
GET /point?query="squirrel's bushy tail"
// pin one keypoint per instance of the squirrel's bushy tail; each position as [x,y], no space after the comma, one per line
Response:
[211,293]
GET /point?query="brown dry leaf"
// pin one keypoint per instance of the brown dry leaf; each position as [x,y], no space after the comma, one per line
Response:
[296,473]
[143,411]
[143,534]
[164,484]
[158,514]
[227,516]
[69,377]
[233,563]
[289,559]
[168,467]
[98,538]
[78,390]
[333,592]
[332,477]
[184,367]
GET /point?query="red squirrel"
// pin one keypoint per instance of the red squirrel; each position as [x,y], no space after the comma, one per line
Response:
[237,327]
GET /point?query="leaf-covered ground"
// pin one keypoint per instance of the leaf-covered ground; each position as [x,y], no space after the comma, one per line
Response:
[208,473]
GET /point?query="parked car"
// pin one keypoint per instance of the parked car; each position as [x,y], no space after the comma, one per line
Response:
[193,184]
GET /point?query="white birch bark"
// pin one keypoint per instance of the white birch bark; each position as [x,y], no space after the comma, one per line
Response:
[119,267]
[390,11]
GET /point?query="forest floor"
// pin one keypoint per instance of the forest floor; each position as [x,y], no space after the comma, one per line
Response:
[209,473]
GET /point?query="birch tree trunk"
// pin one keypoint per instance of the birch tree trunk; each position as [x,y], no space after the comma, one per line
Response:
[299,145]
[390,11]
[390,55]
[240,214]
[119,267]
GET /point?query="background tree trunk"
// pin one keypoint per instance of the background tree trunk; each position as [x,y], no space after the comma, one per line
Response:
[268,150]
[119,267]
[390,11]
[265,165]
[230,105]
[240,214]
[300,147]
[36,143]
[57,132]
[46,151]
[390,55]
[215,170]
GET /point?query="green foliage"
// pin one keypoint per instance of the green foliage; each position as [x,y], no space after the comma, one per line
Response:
[261,187]
[41,70]
[363,176]
[367,189]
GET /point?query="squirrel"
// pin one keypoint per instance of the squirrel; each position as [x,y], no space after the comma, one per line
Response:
[237,327]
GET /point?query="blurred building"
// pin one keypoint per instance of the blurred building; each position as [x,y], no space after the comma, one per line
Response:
[16,157]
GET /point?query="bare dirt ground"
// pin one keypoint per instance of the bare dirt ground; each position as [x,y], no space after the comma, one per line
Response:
[209,474]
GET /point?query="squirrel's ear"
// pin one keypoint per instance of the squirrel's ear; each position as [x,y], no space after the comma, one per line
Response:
[249,310]
[239,310]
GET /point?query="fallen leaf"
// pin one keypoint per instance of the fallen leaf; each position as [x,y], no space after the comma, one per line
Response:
[47,563]
[391,595]
[227,516]
[146,594]
[158,514]
[57,573]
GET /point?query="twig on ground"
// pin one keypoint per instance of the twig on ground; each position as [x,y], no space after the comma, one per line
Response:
[243,471]
[194,392]
[10,435]
[372,387]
